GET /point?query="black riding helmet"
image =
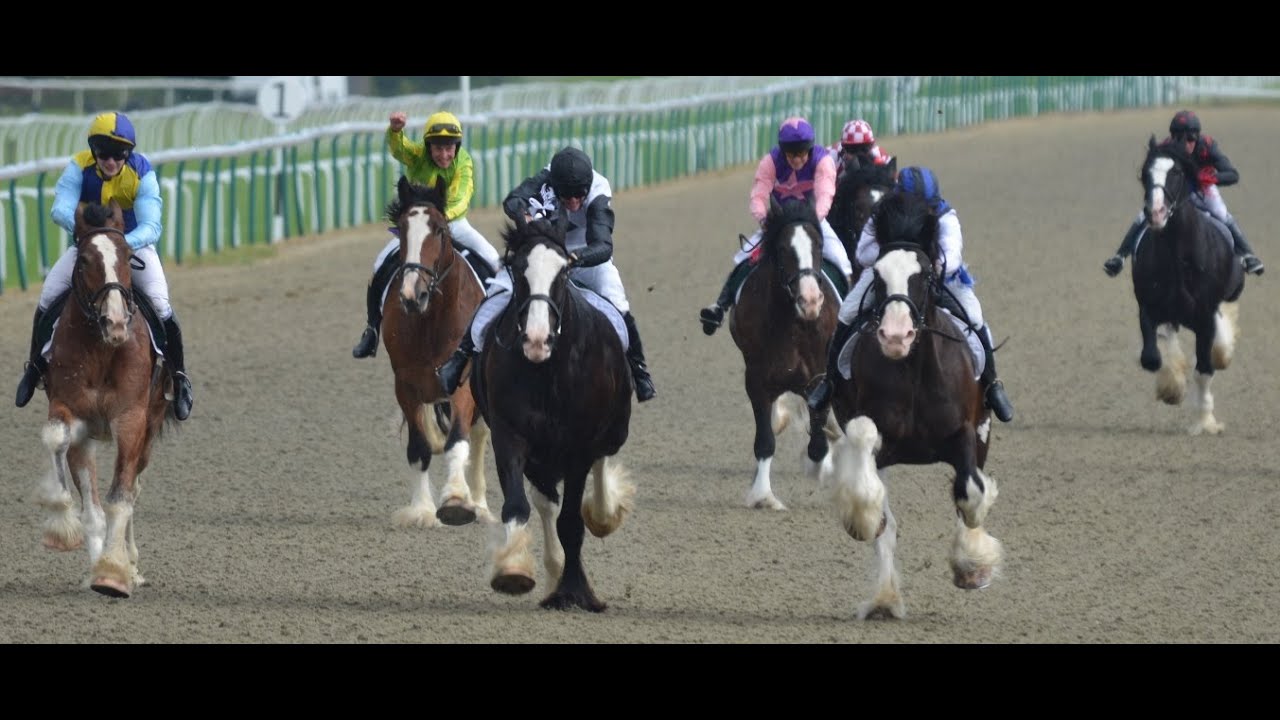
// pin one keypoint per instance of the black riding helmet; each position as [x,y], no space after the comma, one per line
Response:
[571,173]
[1184,123]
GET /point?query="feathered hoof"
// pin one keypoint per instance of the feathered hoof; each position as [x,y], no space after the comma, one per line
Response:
[111,587]
[972,578]
[852,530]
[568,601]
[61,544]
[512,582]
[455,512]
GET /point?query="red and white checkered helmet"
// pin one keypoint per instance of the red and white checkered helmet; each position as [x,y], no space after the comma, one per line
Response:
[857,132]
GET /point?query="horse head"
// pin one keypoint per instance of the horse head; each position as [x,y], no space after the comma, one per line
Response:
[1168,176]
[426,244]
[539,265]
[102,281]
[860,188]
[792,243]
[904,272]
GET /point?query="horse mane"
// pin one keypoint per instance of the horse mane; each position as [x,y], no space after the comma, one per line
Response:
[864,174]
[415,194]
[96,215]
[516,237]
[782,215]
[903,217]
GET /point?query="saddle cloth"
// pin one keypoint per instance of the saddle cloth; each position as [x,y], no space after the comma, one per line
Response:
[844,364]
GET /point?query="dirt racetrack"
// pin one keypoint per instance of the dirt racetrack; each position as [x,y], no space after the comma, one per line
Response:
[266,518]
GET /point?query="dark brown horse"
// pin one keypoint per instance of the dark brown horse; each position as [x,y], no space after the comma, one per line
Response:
[782,322]
[1185,274]
[554,384]
[104,382]
[428,307]
[913,399]
[859,189]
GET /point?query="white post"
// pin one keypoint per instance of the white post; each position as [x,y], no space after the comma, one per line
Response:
[466,94]
[277,222]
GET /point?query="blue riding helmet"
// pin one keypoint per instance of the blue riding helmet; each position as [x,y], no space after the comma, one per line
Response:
[115,126]
[922,182]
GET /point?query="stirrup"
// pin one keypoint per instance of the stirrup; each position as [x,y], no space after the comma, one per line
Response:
[368,345]
[1252,264]
[712,317]
[821,395]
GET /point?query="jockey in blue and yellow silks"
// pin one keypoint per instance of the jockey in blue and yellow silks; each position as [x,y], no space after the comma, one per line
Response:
[440,156]
[109,170]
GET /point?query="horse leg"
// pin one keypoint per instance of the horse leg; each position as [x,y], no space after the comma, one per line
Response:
[553,551]
[886,603]
[1150,358]
[1206,422]
[783,410]
[975,555]
[608,499]
[85,472]
[475,470]
[62,530]
[760,496]
[421,510]
[818,453]
[856,489]
[1171,380]
[1226,333]
[114,572]
[456,504]
[573,590]
[512,560]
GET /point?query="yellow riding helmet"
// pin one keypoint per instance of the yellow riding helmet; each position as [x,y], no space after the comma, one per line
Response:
[442,126]
[116,126]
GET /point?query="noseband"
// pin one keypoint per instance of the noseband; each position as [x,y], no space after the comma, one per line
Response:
[523,308]
[435,275]
[792,284]
[90,305]
[931,287]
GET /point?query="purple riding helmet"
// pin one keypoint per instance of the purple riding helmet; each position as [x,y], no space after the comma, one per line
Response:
[795,135]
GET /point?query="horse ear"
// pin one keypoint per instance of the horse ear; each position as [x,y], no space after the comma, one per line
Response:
[1151,144]
[402,187]
[893,167]
[774,206]
[441,188]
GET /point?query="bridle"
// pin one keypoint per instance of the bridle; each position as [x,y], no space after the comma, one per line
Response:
[90,305]
[435,275]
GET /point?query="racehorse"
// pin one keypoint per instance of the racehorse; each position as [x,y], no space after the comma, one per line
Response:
[782,322]
[553,382]
[429,304]
[104,381]
[914,398]
[859,189]
[1185,274]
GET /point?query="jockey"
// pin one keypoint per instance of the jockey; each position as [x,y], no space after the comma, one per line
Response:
[111,169]
[922,182]
[569,185]
[441,155]
[857,147]
[1214,170]
[793,170]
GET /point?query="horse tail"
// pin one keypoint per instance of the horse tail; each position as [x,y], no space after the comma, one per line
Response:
[437,426]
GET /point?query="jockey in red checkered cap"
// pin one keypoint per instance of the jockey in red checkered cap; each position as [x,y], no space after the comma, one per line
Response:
[1214,170]
[858,145]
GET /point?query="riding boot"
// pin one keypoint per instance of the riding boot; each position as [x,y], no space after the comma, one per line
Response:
[36,365]
[713,315]
[1113,264]
[174,358]
[1251,262]
[635,356]
[820,397]
[450,373]
[368,345]
[993,388]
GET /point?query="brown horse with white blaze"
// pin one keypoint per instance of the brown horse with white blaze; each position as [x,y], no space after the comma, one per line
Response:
[428,307]
[104,382]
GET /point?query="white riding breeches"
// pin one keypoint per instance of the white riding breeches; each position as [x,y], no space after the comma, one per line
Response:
[603,279]
[463,235]
[832,249]
[150,280]
[853,302]
[1209,200]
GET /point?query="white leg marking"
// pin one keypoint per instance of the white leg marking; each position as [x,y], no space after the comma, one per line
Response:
[421,511]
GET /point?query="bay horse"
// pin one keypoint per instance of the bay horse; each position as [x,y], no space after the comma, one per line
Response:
[1185,274]
[104,382]
[914,398]
[553,382]
[859,188]
[428,306]
[782,322]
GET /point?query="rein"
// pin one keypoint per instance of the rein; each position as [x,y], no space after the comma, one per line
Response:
[436,276]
